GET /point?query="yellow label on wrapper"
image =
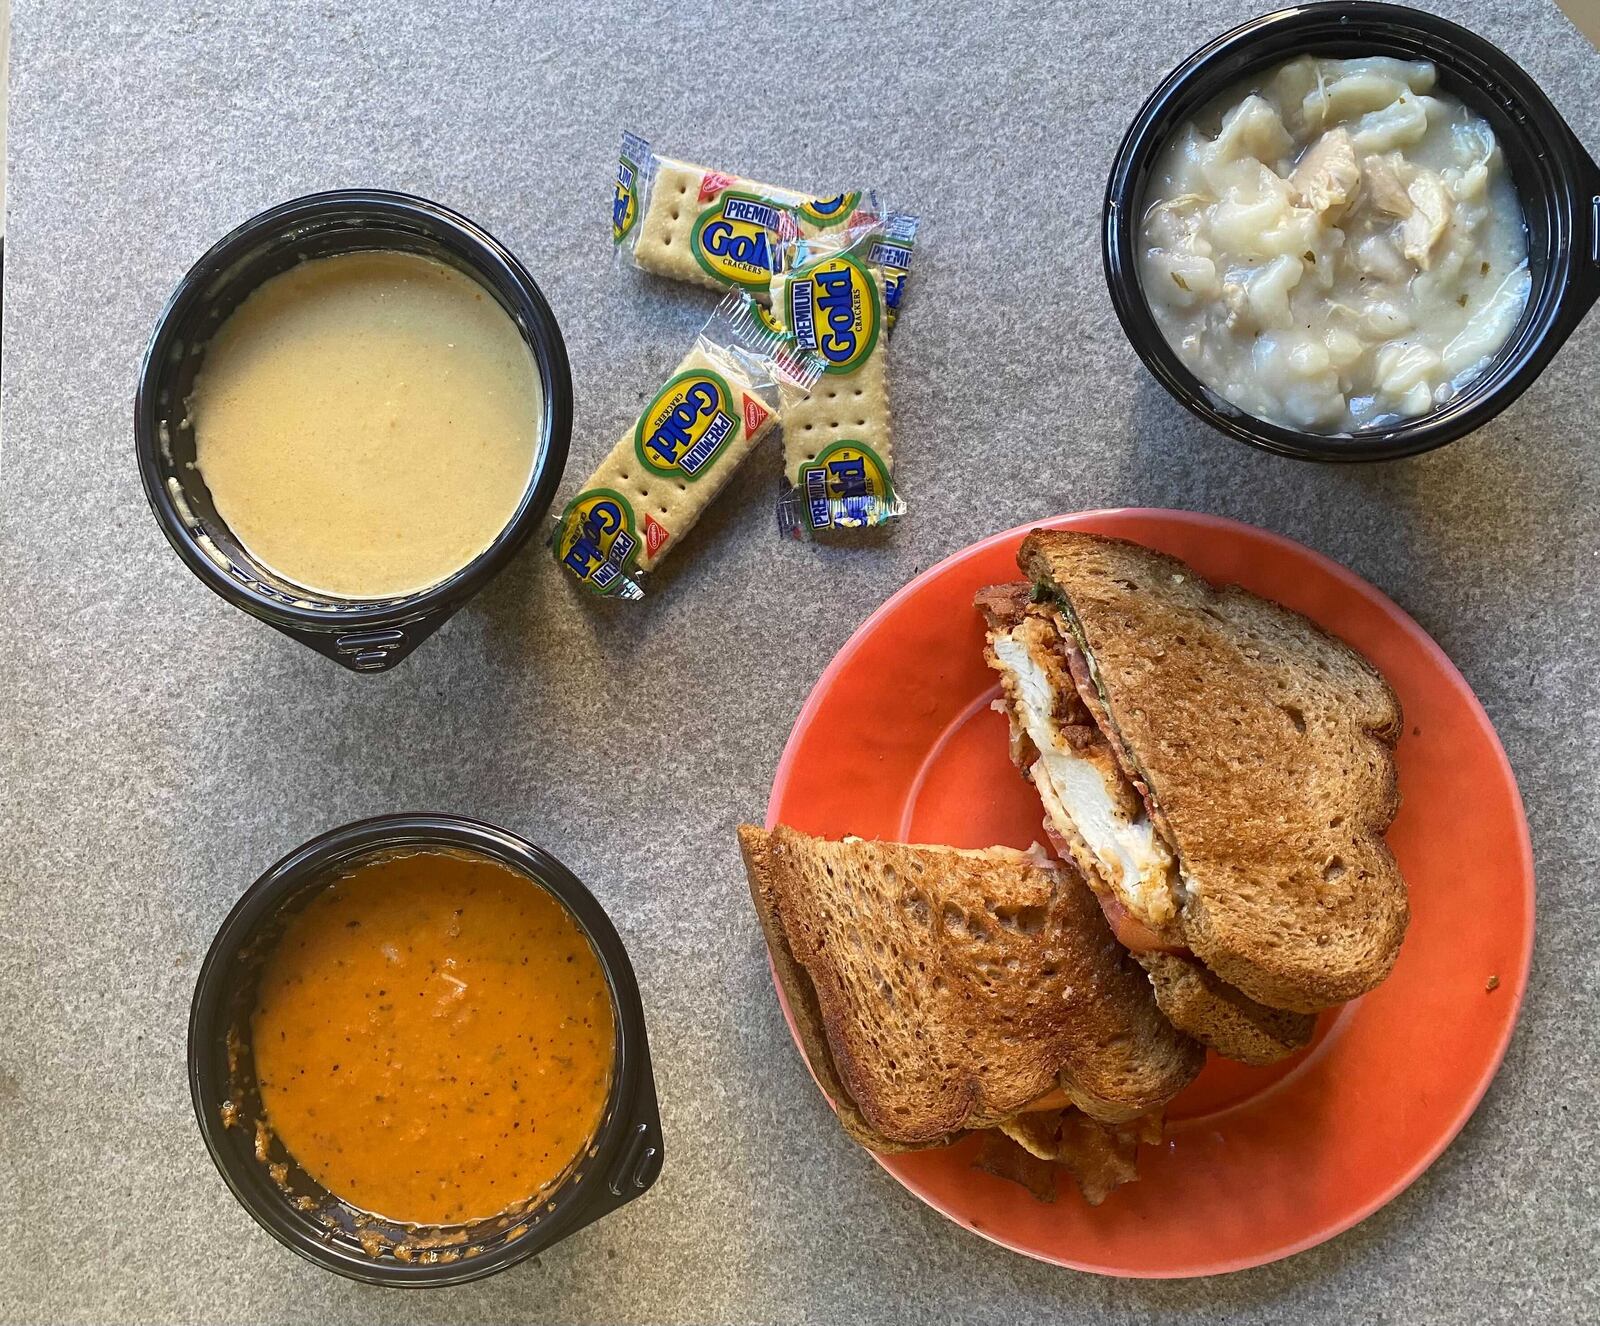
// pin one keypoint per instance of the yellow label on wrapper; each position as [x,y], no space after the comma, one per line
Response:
[846,487]
[625,195]
[834,309]
[893,258]
[687,426]
[825,212]
[738,239]
[598,541]
[768,321]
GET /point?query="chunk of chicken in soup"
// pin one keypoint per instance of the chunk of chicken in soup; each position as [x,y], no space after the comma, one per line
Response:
[1335,246]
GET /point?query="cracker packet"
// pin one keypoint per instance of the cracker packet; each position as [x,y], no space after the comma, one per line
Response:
[724,396]
[891,253]
[692,224]
[838,455]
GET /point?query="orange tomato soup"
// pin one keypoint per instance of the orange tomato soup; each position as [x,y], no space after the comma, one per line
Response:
[433,1038]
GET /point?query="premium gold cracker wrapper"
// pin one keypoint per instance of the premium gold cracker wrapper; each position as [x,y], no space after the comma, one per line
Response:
[724,396]
[838,447]
[891,253]
[715,229]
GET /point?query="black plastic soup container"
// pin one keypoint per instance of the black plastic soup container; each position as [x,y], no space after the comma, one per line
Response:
[366,635]
[621,1162]
[1555,179]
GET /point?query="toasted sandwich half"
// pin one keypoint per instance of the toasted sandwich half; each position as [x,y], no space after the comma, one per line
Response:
[1096,818]
[1221,768]
[938,990]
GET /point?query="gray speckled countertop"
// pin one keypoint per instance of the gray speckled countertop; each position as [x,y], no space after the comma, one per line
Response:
[158,749]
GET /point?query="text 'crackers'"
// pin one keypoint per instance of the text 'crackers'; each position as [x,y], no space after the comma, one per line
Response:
[693,224]
[838,453]
[724,396]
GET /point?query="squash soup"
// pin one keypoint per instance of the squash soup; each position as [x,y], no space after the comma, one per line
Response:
[367,423]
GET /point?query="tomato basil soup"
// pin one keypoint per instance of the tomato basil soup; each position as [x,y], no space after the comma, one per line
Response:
[433,1038]
[367,423]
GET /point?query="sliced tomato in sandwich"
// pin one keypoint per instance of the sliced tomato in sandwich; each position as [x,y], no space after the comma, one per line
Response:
[1132,933]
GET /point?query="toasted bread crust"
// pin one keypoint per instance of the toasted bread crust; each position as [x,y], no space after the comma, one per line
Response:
[805,1011]
[1268,746]
[941,990]
[1003,606]
[1199,1002]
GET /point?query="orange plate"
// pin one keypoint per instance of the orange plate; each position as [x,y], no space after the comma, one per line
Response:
[898,741]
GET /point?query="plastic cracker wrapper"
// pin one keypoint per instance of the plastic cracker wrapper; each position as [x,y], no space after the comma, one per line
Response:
[725,395]
[891,253]
[692,224]
[838,453]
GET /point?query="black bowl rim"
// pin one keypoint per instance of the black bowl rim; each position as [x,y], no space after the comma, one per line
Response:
[1410,439]
[633,1091]
[549,352]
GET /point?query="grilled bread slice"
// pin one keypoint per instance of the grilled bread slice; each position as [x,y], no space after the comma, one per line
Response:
[1195,1001]
[1265,751]
[937,989]
[1221,1017]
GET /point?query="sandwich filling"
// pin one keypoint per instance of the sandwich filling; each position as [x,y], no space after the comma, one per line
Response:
[1096,809]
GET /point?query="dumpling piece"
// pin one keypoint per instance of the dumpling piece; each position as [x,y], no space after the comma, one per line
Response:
[1402,366]
[1486,331]
[1350,97]
[1252,130]
[1267,291]
[1401,123]
[1297,369]
[1192,280]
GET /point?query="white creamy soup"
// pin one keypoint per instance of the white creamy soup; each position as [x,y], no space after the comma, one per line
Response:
[1335,245]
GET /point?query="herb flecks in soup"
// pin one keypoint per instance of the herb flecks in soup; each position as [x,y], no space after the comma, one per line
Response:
[1335,245]
[433,1039]
[367,423]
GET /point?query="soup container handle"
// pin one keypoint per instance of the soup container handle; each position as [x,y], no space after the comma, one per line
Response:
[375,650]
[1588,235]
[640,1165]
[636,1163]
[368,648]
